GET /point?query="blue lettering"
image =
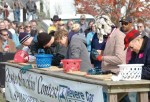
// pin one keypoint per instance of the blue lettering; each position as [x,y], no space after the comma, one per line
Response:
[89,97]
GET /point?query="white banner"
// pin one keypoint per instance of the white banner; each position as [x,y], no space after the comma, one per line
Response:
[33,87]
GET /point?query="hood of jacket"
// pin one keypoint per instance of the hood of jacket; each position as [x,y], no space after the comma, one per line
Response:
[80,36]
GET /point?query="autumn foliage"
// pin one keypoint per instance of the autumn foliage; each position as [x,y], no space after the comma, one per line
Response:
[113,8]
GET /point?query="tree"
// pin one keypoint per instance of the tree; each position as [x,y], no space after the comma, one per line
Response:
[115,8]
[58,9]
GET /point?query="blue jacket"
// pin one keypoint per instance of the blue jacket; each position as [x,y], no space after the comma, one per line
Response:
[143,57]
[89,38]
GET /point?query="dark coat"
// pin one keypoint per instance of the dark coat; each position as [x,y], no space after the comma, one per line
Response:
[143,57]
[98,46]
[58,52]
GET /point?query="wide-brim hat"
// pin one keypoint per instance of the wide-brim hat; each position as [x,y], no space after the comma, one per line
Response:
[55,18]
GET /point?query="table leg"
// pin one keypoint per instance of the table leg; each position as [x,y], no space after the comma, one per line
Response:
[143,96]
[112,98]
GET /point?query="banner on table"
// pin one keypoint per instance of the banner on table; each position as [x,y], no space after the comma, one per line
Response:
[34,87]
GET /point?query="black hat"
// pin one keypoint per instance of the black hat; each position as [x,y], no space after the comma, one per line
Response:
[43,38]
[23,36]
[126,19]
[55,18]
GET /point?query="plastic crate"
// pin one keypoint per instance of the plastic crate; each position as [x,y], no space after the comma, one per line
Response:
[71,64]
[130,71]
[43,60]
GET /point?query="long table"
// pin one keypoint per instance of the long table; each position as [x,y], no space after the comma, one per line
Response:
[113,88]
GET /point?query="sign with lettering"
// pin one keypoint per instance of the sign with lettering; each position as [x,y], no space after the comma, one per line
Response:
[34,87]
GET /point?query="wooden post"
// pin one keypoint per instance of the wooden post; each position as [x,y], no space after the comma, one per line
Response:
[112,97]
[143,96]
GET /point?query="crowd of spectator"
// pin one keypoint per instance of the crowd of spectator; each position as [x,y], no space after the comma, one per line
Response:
[98,43]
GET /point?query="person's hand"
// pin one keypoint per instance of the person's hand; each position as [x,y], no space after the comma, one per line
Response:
[99,52]
[99,58]
[96,54]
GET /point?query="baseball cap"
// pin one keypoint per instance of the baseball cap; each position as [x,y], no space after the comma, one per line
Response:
[130,36]
[82,16]
[126,19]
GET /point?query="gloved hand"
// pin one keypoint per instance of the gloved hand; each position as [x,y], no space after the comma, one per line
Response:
[99,58]
[95,55]
[25,68]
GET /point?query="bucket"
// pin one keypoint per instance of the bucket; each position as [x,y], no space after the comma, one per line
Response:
[71,64]
[21,56]
[43,60]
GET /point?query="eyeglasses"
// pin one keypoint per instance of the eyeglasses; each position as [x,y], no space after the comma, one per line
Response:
[125,23]
[61,24]
[139,26]
[28,26]
[130,47]
[21,28]
[4,34]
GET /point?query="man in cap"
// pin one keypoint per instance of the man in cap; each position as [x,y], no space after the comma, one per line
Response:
[140,47]
[127,26]
[141,51]
[55,21]
[126,23]
[83,23]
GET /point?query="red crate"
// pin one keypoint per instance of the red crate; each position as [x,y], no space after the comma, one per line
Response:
[71,64]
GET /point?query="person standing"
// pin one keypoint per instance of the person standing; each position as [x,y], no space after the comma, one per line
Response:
[141,26]
[140,47]
[5,10]
[1,13]
[34,30]
[89,38]
[55,21]
[83,23]
[31,9]
[69,25]
[16,10]
[3,26]
[127,26]
[6,44]
[76,48]
[114,53]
